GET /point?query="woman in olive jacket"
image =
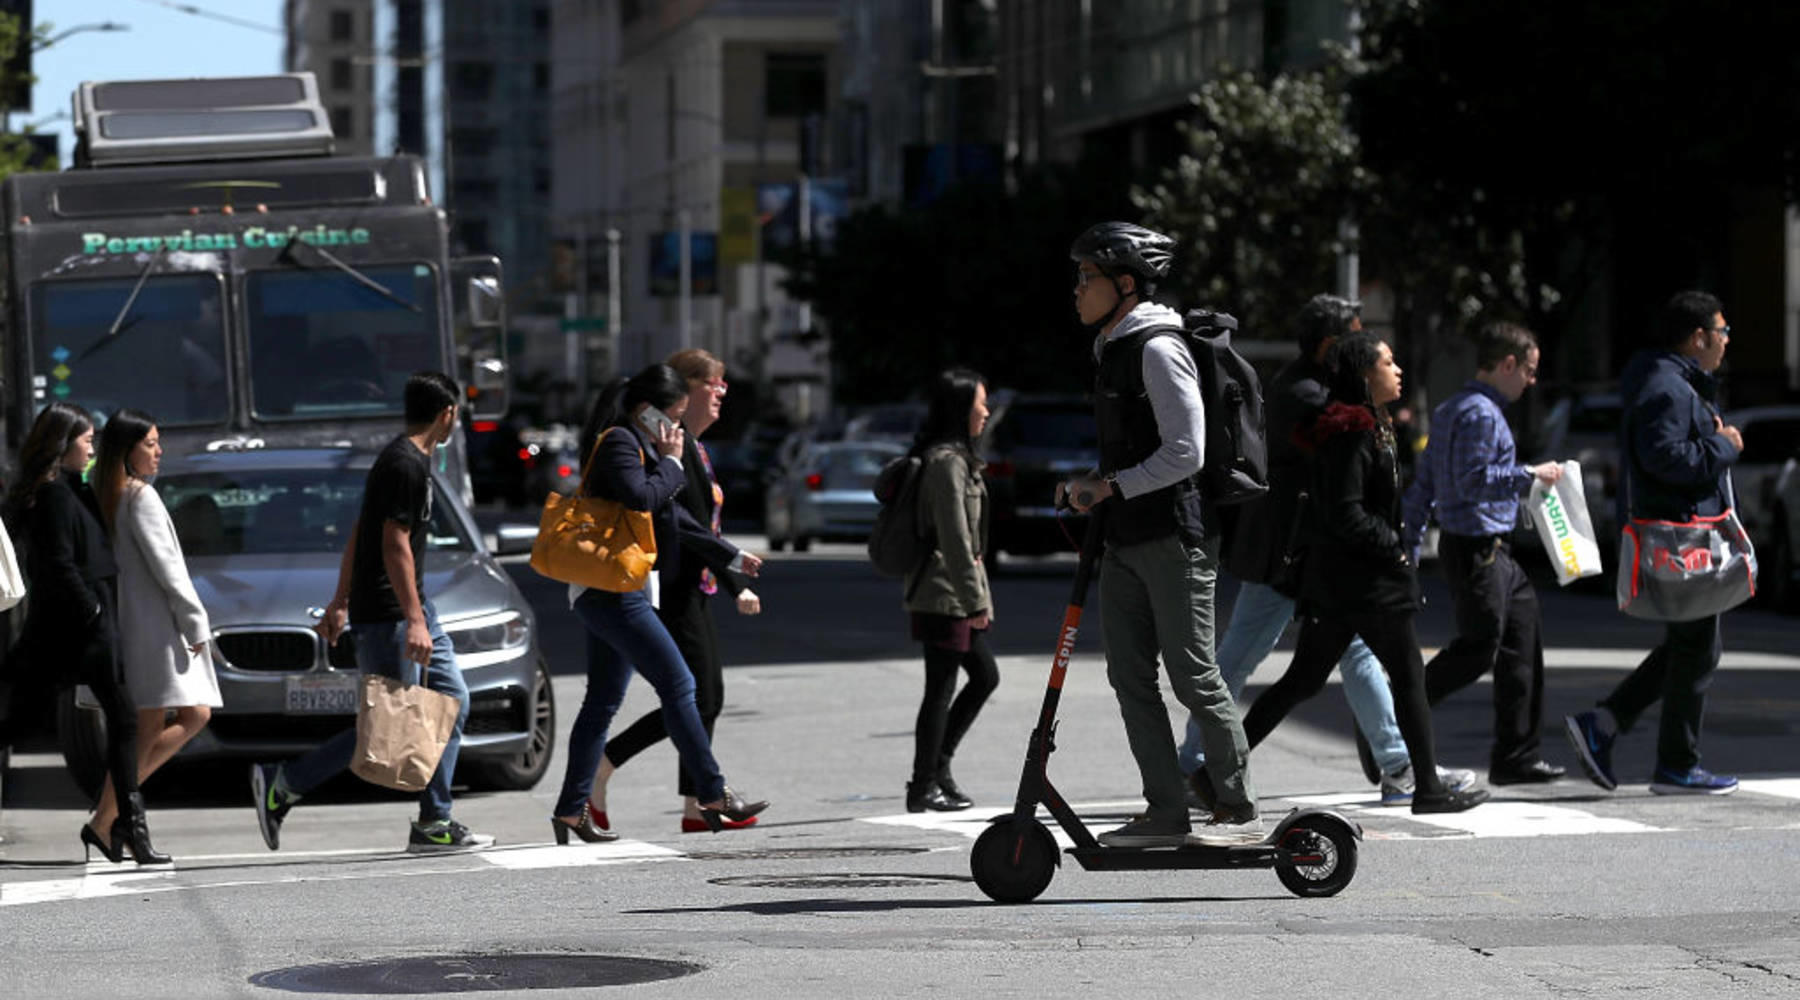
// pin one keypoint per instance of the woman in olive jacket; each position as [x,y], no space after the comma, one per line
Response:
[948,594]
[1357,579]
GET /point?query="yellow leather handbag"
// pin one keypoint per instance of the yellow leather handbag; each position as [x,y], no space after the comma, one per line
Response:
[595,542]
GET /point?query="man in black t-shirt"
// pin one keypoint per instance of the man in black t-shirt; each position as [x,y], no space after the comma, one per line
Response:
[381,593]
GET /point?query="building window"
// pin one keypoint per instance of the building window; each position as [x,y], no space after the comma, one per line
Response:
[472,141]
[343,122]
[540,77]
[472,81]
[340,74]
[342,25]
[540,20]
[474,233]
[631,10]
[793,85]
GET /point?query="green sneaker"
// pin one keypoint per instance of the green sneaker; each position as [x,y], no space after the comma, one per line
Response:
[271,806]
[445,835]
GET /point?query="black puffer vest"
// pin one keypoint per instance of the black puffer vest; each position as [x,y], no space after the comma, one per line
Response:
[1128,436]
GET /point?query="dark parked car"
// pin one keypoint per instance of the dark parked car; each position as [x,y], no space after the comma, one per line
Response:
[497,461]
[1032,443]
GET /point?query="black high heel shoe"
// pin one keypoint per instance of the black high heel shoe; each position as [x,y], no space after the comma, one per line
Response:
[737,810]
[130,830]
[90,841]
[584,827]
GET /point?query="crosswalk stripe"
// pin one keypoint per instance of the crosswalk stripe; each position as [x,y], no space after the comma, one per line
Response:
[618,852]
[1787,788]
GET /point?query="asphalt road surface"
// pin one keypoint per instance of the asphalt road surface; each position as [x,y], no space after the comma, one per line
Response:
[1554,891]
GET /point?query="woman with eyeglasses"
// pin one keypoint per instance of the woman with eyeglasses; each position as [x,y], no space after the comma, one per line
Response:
[634,441]
[685,608]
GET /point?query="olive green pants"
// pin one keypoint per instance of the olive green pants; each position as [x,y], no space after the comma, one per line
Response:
[1156,601]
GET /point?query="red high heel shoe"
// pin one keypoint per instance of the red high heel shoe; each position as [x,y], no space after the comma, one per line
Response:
[598,816]
[691,825]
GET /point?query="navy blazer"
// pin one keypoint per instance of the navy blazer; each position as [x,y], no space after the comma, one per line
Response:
[1676,463]
[627,467]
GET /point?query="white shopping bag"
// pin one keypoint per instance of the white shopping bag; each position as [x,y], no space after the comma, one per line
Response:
[1560,514]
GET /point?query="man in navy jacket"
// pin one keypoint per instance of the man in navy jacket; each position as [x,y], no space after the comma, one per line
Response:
[1677,454]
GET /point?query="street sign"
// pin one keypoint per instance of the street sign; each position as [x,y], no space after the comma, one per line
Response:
[583,323]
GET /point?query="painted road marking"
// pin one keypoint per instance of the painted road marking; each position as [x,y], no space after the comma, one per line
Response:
[1787,788]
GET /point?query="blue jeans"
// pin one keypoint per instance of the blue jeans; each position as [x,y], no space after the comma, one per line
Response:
[1258,618]
[624,632]
[381,649]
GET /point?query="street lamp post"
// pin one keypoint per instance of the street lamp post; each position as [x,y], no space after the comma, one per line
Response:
[41,45]
[76,30]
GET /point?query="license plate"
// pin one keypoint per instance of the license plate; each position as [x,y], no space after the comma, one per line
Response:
[322,694]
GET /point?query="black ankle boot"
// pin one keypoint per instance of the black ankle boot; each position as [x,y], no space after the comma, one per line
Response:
[923,795]
[131,832]
[947,787]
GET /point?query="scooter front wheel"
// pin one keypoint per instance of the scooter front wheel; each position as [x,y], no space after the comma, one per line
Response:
[1319,856]
[1013,861]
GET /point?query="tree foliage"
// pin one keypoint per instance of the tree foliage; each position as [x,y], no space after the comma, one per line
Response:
[16,152]
[977,278]
[1256,200]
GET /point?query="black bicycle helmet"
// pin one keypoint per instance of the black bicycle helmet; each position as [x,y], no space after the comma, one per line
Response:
[1123,248]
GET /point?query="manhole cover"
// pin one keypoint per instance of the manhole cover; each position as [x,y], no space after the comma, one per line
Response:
[805,853]
[471,973]
[846,880]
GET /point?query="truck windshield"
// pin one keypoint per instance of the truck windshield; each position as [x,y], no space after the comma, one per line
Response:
[322,344]
[167,358]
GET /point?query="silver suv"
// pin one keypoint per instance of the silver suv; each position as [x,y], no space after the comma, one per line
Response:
[263,532]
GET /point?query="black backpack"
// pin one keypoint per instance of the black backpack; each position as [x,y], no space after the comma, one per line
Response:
[896,545]
[1237,451]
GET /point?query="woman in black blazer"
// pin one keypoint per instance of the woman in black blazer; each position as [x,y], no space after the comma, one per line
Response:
[71,627]
[684,606]
[635,460]
[1357,578]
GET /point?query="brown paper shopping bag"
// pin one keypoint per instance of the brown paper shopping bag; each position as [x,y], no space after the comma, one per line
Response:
[401,731]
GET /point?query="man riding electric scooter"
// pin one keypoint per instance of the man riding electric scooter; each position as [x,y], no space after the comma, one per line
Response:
[1161,559]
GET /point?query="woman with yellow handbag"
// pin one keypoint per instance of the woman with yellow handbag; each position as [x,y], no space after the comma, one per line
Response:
[603,544]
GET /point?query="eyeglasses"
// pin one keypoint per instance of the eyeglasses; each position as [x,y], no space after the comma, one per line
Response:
[1723,331]
[718,386]
[1084,275]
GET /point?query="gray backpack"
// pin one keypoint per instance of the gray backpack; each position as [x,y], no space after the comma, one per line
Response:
[896,545]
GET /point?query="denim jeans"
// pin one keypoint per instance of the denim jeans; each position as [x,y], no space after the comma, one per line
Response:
[1258,618]
[624,632]
[381,649]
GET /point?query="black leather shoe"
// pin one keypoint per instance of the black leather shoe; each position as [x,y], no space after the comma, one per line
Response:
[947,787]
[1535,772]
[1449,802]
[924,795]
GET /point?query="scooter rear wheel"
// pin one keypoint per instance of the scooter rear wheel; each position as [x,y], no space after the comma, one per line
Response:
[1321,857]
[1013,862]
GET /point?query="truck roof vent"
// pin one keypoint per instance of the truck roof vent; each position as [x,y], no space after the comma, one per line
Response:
[177,121]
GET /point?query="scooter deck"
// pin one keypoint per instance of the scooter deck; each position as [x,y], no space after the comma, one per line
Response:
[1113,859]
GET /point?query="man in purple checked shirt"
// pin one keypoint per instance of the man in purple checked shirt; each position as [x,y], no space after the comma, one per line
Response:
[1470,480]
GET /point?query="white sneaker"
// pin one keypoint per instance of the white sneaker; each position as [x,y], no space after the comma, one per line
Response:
[1226,830]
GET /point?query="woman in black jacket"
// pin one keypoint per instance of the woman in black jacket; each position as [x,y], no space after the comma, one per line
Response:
[634,458]
[1357,579]
[71,627]
[684,600]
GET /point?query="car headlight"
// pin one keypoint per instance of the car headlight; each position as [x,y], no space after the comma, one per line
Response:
[507,631]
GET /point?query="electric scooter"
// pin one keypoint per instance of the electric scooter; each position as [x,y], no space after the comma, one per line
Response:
[1313,851]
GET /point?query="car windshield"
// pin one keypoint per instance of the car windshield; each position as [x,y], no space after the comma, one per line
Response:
[280,511]
[323,344]
[167,356]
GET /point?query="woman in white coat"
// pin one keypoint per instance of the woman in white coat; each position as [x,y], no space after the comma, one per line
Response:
[163,628]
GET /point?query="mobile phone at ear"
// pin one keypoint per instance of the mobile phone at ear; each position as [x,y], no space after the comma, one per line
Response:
[654,420]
